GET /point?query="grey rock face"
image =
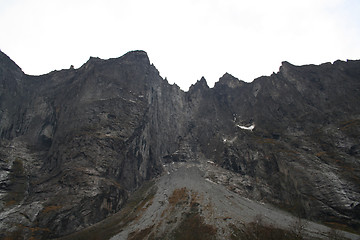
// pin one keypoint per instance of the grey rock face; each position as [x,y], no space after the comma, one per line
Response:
[76,143]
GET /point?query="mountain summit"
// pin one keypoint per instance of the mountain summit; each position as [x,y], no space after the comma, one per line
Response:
[111,150]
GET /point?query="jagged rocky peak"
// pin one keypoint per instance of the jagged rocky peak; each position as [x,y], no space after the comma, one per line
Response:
[199,85]
[285,67]
[229,81]
[8,66]
[286,64]
[5,61]
[137,56]
[94,59]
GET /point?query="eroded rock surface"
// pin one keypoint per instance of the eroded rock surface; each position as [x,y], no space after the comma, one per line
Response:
[75,144]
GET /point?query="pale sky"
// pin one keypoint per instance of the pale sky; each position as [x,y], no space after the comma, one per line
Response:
[184,39]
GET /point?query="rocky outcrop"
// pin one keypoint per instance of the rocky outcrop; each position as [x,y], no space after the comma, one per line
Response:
[100,130]
[76,143]
[286,132]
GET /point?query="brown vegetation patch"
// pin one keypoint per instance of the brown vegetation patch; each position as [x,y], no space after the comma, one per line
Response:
[341,226]
[347,125]
[257,231]
[35,229]
[267,140]
[139,235]
[10,203]
[179,196]
[51,208]
[194,228]
[31,233]
[320,154]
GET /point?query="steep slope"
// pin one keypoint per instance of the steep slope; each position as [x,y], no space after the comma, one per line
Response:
[186,204]
[77,143]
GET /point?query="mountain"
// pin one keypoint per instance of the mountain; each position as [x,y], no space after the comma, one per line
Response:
[113,150]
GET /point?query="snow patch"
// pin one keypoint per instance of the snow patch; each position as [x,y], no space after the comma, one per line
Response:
[247,128]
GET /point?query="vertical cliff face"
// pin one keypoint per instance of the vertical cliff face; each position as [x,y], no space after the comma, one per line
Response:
[11,93]
[76,143]
[99,131]
[289,136]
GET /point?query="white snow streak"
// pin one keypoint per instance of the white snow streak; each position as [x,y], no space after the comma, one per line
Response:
[247,128]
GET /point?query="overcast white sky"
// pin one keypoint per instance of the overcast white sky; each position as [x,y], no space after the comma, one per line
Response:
[184,39]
